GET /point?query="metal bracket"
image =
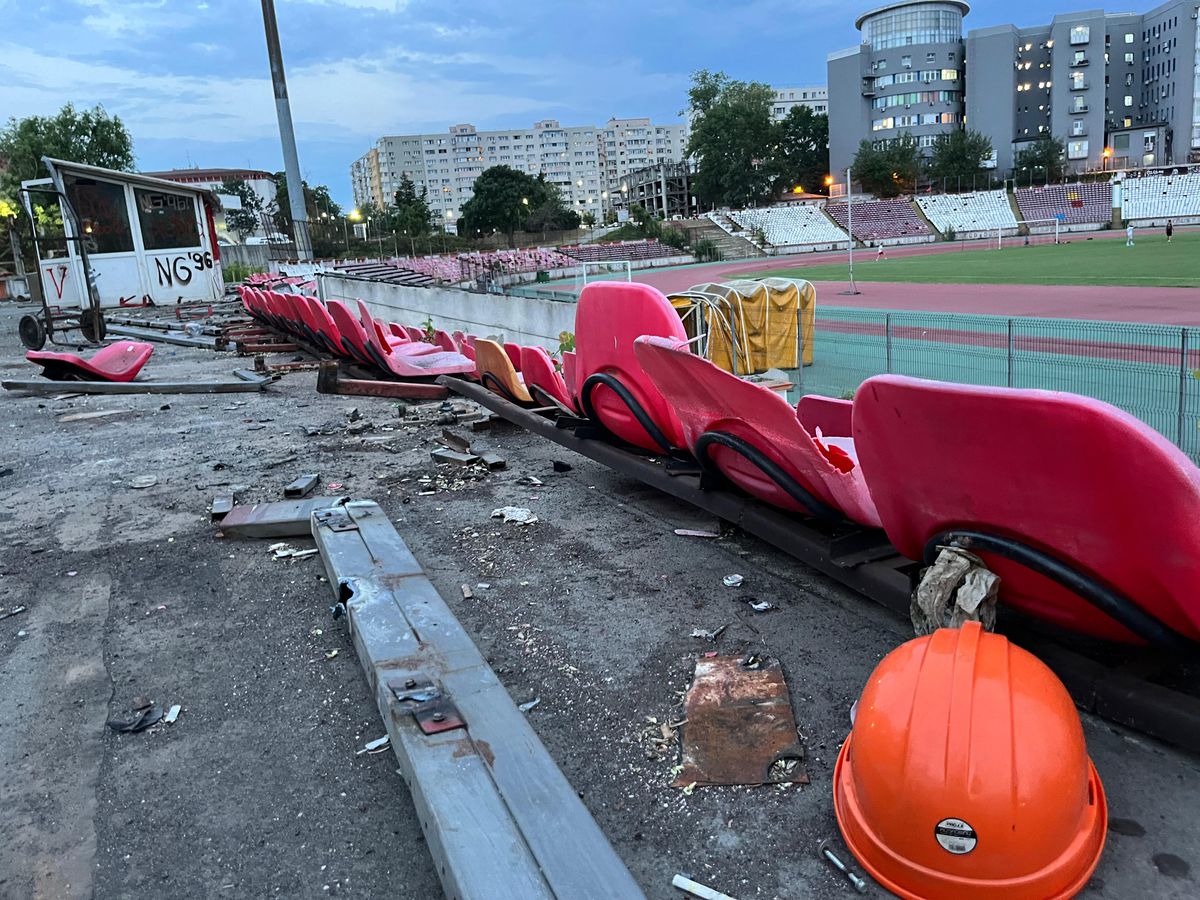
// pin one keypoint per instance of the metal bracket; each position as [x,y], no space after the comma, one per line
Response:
[426,702]
[335,519]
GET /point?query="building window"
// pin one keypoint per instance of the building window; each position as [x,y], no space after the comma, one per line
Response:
[1080,34]
[1078,128]
[1077,150]
[906,61]
[1128,101]
[101,208]
[1129,58]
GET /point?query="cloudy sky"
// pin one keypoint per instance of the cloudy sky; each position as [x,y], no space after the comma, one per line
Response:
[190,77]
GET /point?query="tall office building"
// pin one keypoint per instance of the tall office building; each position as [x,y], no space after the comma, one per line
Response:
[1128,82]
[906,76]
[585,162]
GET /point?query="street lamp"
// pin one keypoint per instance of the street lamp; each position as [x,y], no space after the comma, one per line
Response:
[1104,158]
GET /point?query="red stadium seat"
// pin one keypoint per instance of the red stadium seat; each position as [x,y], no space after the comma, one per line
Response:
[117,362]
[610,384]
[1087,515]
[759,442]
[395,361]
[540,376]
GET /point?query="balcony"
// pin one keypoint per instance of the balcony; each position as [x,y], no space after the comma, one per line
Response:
[868,87]
[1079,108]
[1081,85]
[1079,63]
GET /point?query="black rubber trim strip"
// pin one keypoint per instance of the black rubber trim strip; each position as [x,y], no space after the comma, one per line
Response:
[488,380]
[1112,603]
[789,485]
[623,394]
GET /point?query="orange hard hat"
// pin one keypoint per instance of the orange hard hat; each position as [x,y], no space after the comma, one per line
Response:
[966,774]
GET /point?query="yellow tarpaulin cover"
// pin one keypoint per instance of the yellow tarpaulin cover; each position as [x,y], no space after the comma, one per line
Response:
[764,317]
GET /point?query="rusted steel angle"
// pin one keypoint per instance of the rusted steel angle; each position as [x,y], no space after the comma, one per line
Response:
[500,819]
[283,518]
[739,727]
[1161,712]
[330,381]
[247,382]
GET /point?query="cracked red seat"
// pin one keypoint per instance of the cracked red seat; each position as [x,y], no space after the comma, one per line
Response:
[117,362]
[542,380]
[387,337]
[1087,514]
[801,460]
[611,387]
[394,360]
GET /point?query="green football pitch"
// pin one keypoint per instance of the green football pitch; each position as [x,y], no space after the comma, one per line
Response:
[1152,262]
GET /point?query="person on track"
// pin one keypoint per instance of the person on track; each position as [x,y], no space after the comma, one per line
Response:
[1170,230]
[880,254]
[1129,235]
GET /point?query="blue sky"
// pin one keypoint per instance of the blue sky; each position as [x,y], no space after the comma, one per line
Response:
[190,77]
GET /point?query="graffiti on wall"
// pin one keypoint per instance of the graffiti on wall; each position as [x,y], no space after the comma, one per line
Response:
[58,277]
[179,270]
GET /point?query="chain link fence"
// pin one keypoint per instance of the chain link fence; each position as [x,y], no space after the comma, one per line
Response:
[1150,371]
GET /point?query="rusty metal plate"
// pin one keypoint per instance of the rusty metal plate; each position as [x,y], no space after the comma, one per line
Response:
[740,728]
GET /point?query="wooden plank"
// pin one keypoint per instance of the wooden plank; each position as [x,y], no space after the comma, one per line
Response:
[523,831]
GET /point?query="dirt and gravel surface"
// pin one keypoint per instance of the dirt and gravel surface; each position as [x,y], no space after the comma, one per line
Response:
[256,790]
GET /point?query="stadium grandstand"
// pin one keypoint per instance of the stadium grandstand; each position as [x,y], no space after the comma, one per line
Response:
[1071,204]
[791,226]
[1171,195]
[633,251]
[974,211]
[876,220]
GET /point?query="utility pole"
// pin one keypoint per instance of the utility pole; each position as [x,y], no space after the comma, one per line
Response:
[850,228]
[291,162]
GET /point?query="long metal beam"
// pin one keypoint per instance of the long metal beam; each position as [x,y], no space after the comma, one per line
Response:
[499,817]
[247,382]
[865,561]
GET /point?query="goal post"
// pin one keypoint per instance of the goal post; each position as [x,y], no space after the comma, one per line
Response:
[1037,231]
[604,270]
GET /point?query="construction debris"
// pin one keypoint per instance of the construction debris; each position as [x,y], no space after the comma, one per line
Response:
[16,610]
[142,716]
[247,382]
[302,486]
[732,580]
[143,481]
[693,532]
[96,414]
[453,457]
[739,725]
[962,575]
[526,707]
[494,461]
[376,746]
[709,636]
[285,550]
[172,714]
[518,514]
[221,506]
[696,889]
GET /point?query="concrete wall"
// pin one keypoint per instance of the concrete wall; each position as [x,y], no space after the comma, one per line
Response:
[249,255]
[525,320]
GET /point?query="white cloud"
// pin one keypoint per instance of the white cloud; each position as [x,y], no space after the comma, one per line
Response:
[380,5]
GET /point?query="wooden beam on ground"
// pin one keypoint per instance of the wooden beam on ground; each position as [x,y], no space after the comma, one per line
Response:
[329,381]
[499,817]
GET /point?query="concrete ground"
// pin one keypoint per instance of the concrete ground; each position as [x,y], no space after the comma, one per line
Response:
[256,790]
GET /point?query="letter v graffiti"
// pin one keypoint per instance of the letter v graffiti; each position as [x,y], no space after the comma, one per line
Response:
[61,281]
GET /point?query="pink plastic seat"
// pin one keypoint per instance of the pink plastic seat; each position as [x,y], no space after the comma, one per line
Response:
[414,334]
[1064,497]
[756,439]
[609,381]
[514,354]
[445,341]
[117,362]
[542,380]
[394,361]
[384,337]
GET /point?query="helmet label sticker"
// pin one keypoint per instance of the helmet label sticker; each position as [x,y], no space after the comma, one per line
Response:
[955,836]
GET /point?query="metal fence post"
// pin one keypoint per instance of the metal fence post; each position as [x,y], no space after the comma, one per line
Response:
[1183,374]
[1010,353]
[887,330]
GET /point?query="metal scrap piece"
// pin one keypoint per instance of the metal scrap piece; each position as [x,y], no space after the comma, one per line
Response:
[739,725]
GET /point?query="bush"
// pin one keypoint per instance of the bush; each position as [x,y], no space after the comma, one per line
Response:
[950,234]
[706,250]
[236,272]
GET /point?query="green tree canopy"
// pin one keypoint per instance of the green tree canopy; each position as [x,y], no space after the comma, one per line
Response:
[409,212]
[959,154]
[732,139]
[889,170]
[801,150]
[1046,155]
[244,221]
[317,200]
[89,136]
[502,200]
[550,211]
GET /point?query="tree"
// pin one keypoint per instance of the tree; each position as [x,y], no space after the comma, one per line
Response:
[959,154]
[317,201]
[550,211]
[888,170]
[732,139]
[409,212]
[502,200]
[1046,154]
[244,221]
[89,136]
[801,149]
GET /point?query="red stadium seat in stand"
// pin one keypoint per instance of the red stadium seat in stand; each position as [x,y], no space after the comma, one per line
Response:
[1087,514]
[117,362]
[611,387]
[542,380]
[757,440]
[395,361]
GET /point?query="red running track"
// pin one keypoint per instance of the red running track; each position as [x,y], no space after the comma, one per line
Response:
[1168,306]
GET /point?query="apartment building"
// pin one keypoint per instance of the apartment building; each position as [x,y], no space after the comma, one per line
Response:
[815,97]
[584,161]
